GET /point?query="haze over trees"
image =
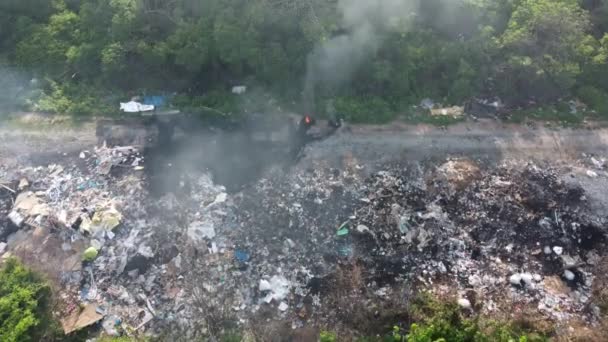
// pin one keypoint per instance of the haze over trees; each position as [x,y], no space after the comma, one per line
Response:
[363,55]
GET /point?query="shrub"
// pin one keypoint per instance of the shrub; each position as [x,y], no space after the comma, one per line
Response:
[594,98]
[446,322]
[24,303]
[212,105]
[327,336]
[72,99]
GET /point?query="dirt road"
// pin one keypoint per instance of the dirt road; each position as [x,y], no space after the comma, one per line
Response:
[368,144]
[481,140]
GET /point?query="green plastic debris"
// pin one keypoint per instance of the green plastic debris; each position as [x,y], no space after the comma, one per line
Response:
[342,231]
[90,254]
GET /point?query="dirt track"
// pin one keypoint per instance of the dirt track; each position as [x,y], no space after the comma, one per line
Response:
[480,140]
[368,144]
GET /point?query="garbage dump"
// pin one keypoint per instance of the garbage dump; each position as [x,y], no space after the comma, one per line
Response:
[308,247]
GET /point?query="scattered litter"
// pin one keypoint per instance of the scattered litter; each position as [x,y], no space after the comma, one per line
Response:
[591,173]
[239,90]
[569,275]
[23,183]
[16,218]
[464,303]
[78,320]
[454,111]
[342,231]
[277,288]
[241,256]
[135,107]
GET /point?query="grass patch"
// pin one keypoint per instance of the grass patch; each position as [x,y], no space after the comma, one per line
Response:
[554,114]
[440,321]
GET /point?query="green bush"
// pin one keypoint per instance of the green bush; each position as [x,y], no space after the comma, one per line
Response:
[445,322]
[327,336]
[73,99]
[214,104]
[364,110]
[595,98]
[24,304]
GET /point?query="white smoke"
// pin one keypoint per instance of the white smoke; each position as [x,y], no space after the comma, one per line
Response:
[366,22]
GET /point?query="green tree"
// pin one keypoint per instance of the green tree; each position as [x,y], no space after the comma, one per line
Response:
[543,47]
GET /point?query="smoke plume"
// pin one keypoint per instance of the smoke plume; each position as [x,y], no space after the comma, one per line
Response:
[366,23]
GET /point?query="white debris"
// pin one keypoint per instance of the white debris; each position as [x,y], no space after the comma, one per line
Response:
[558,250]
[23,183]
[283,306]
[598,164]
[277,287]
[135,107]
[16,218]
[569,275]
[239,90]
[464,303]
[547,250]
[537,277]
[221,198]
[591,173]
[442,268]
[362,228]
[200,230]
[526,278]
[515,279]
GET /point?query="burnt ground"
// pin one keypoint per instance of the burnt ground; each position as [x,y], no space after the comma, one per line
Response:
[339,240]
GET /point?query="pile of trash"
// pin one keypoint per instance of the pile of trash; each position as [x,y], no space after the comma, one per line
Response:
[479,230]
[318,246]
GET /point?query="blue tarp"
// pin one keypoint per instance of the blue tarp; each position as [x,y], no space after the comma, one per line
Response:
[155,100]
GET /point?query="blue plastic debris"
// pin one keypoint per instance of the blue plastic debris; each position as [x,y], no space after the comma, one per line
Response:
[241,256]
[155,100]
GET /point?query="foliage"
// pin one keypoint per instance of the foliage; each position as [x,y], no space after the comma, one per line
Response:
[594,98]
[24,303]
[327,336]
[544,42]
[364,109]
[450,51]
[439,321]
[71,98]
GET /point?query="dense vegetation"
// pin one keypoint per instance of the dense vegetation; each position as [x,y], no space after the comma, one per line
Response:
[24,304]
[85,55]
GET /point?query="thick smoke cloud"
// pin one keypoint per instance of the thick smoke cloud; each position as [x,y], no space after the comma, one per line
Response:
[366,23]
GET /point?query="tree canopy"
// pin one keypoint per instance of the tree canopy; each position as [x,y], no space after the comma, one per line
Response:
[395,52]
